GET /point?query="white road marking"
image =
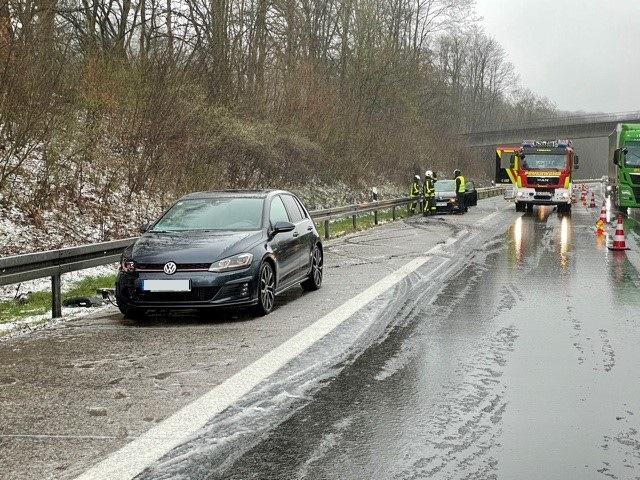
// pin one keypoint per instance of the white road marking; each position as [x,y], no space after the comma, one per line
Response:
[137,455]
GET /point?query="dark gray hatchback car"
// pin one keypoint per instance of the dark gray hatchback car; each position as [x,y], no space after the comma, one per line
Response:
[221,248]
[446,201]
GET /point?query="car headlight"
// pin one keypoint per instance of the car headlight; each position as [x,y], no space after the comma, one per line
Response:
[236,262]
[127,266]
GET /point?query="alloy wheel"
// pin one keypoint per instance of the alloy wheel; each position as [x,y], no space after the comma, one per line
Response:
[267,289]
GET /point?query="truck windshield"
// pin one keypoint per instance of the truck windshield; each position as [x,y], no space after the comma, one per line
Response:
[632,158]
[541,161]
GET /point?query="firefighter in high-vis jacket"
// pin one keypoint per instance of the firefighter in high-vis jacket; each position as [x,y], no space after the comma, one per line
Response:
[414,191]
[429,192]
[460,191]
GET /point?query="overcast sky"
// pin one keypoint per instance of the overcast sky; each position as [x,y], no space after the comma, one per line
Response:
[583,55]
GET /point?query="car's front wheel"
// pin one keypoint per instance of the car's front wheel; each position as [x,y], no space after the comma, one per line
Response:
[266,289]
[132,313]
[314,281]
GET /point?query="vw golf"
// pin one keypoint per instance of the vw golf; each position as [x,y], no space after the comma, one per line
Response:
[221,248]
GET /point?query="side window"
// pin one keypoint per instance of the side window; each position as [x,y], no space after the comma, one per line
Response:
[292,207]
[277,213]
[303,211]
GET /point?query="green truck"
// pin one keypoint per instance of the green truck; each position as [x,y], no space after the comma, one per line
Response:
[624,166]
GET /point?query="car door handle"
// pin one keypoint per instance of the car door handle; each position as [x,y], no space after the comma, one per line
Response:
[295,234]
[309,228]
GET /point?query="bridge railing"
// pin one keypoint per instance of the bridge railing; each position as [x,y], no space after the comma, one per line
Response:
[53,263]
[561,120]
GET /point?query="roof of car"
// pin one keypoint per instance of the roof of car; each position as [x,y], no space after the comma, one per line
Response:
[233,193]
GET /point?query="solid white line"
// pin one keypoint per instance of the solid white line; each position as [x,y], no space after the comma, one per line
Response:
[134,457]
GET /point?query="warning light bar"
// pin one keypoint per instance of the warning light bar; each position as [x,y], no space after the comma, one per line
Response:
[546,143]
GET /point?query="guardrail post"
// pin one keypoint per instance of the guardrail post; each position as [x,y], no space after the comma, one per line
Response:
[375,217]
[354,221]
[326,229]
[393,212]
[56,291]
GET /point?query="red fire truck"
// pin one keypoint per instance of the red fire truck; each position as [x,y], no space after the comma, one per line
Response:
[542,173]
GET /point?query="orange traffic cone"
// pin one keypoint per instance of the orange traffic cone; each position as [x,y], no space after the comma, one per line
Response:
[599,227]
[618,238]
[592,203]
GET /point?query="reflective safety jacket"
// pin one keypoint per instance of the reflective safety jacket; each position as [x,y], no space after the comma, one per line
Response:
[414,190]
[428,188]
[460,185]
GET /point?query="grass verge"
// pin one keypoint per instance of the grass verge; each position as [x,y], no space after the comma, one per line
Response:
[39,303]
[344,226]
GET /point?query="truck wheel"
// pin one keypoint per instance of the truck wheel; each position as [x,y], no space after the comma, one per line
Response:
[564,208]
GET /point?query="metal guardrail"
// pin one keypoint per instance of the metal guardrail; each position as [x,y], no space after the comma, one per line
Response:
[53,263]
[337,213]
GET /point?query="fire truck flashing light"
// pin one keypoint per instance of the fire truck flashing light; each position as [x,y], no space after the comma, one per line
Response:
[546,143]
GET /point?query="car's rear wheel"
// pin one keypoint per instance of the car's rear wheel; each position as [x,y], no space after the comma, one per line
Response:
[315,276]
[266,289]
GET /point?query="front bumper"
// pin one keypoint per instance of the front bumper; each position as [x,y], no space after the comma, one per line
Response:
[446,204]
[206,289]
[546,196]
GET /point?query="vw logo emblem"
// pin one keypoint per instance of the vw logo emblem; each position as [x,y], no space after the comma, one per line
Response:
[170,268]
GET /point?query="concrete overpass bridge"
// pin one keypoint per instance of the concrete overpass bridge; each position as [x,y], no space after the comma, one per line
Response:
[572,127]
[589,134]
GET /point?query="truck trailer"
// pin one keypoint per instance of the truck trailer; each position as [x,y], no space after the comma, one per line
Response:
[624,166]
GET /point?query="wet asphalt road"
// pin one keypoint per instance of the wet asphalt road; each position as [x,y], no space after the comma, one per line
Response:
[511,352]
[522,365]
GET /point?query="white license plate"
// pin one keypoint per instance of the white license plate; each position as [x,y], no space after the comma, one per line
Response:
[166,285]
[441,204]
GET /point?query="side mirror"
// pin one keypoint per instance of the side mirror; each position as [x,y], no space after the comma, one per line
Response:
[616,156]
[576,162]
[144,227]
[282,226]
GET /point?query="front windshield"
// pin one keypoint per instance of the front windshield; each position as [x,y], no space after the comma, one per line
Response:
[223,213]
[632,157]
[445,186]
[544,161]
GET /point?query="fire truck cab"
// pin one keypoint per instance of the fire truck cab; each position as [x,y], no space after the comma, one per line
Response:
[543,174]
